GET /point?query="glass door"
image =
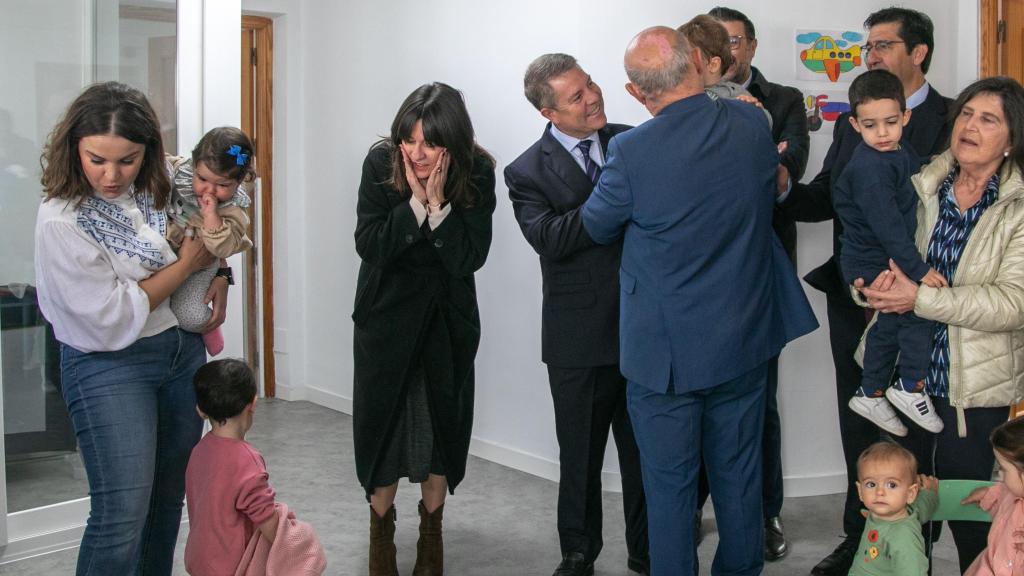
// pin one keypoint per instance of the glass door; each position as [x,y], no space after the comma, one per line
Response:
[49,51]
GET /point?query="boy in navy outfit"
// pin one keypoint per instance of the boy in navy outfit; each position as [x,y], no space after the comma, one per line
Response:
[877,205]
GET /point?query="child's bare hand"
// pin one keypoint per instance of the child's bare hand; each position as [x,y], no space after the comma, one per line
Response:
[930,483]
[934,279]
[975,496]
[749,100]
[207,203]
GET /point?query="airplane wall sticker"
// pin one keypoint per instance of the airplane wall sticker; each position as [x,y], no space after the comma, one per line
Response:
[823,107]
[830,54]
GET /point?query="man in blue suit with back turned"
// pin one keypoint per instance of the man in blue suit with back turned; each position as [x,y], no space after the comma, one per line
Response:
[707,298]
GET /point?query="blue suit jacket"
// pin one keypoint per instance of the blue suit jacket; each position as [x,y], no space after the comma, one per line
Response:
[707,292]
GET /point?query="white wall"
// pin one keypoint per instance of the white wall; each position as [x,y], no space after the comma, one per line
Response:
[289,182]
[349,65]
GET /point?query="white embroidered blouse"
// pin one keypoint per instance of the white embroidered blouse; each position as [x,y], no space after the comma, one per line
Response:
[89,261]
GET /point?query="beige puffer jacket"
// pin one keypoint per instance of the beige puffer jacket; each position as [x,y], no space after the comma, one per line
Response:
[984,307]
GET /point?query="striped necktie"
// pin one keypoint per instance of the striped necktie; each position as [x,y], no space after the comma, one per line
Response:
[591,167]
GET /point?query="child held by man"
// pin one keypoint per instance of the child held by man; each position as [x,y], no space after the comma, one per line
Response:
[877,206]
[235,525]
[712,40]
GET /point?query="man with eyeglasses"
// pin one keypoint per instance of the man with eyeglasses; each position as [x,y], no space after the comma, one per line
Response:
[789,125]
[901,41]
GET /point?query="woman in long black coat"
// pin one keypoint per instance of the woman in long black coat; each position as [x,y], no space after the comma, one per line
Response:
[423,229]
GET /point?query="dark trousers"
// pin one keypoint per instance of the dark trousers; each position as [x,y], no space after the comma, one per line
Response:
[724,423]
[847,322]
[946,455]
[903,336]
[589,401]
[772,458]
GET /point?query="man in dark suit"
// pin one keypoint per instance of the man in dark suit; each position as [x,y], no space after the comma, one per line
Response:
[901,41]
[707,298]
[580,318]
[789,126]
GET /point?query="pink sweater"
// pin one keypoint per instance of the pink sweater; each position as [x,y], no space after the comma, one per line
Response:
[228,497]
[296,551]
[1001,558]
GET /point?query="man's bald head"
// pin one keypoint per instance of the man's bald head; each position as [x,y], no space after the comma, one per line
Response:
[657,60]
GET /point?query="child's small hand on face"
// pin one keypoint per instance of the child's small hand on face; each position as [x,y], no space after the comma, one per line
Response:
[207,203]
[934,279]
[208,210]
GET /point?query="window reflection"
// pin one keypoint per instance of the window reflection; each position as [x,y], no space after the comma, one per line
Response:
[50,50]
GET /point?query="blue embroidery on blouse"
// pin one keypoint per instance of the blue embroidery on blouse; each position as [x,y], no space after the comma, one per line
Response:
[112,228]
[949,238]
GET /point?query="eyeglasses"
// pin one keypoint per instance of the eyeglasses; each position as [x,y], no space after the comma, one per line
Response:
[734,41]
[881,45]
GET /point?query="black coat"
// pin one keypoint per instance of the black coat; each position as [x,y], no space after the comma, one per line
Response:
[928,134]
[789,124]
[580,318]
[416,306]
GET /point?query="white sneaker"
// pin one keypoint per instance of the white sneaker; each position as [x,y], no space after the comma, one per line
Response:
[879,411]
[917,406]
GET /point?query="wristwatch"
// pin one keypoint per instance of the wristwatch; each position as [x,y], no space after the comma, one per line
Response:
[226,274]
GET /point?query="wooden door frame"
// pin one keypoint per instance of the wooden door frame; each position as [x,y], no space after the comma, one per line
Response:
[988,49]
[259,123]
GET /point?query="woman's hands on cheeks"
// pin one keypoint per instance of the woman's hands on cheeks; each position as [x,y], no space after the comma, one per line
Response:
[891,291]
[431,195]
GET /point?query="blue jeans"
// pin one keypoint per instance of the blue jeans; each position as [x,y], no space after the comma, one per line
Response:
[726,424]
[134,415]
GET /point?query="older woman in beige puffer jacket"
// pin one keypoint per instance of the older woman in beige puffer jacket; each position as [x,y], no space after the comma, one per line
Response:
[982,310]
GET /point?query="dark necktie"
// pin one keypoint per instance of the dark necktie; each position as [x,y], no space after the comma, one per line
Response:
[591,167]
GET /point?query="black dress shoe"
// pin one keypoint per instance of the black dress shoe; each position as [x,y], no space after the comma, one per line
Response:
[838,562]
[639,565]
[574,564]
[775,546]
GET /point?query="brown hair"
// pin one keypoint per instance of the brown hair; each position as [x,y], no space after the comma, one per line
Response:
[107,108]
[227,152]
[889,451]
[1008,440]
[708,34]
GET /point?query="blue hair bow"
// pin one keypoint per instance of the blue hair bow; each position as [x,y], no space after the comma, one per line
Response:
[240,157]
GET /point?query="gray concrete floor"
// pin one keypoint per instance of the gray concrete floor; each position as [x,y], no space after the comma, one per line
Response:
[501,522]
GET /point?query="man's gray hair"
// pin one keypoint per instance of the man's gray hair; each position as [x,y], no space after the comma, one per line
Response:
[540,72]
[653,81]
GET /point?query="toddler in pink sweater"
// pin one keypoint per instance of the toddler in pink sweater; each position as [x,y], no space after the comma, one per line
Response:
[1004,500]
[226,483]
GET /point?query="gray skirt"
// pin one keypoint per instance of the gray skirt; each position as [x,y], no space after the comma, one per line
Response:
[411,453]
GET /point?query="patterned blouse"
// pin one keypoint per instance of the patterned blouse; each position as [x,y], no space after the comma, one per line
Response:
[947,243]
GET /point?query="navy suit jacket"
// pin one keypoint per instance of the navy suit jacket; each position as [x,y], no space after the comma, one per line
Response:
[707,293]
[580,318]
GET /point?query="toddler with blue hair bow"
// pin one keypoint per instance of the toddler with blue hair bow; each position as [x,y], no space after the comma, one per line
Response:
[208,201]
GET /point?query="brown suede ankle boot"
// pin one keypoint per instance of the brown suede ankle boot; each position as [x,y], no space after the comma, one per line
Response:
[430,547]
[382,544]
